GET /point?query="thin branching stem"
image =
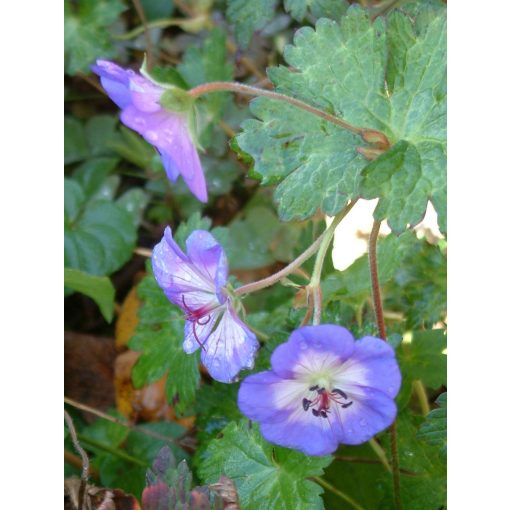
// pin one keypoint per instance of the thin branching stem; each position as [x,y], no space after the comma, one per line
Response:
[241,88]
[84,458]
[326,236]
[337,492]
[379,315]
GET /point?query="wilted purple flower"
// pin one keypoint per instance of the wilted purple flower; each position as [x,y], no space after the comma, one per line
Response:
[139,101]
[324,389]
[196,282]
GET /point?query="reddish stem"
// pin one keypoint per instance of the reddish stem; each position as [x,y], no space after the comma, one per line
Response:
[379,315]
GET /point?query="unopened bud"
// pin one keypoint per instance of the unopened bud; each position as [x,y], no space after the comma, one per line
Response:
[376,138]
[369,152]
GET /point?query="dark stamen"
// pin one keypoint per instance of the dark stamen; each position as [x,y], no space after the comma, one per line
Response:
[347,405]
[314,388]
[315,412]
[324,414]
[339,392]
[306,404]
[321,391]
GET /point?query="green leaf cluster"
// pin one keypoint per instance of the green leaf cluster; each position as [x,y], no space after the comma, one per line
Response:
[158,336]
[99,232]
[99,288]
[386,75]
[87,35]
[262,472]
[122,456]
[433,430]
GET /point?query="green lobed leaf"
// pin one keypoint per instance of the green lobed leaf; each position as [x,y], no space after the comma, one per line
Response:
[99,233]
[86,34]
[159,335]
[99,288]
[353,285]
[262,472]
[418,288]
[249,17]
[343,69]
[332,9]
[433,430]
[395,177]
[423,480]
[423,358]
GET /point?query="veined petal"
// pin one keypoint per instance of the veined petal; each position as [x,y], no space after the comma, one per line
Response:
[197,332]
[229,348]
[145,95]
[168,132]
[311,435]
[115,81]
[182,282]
[311,349]
[370,413]
[267,397]
[372,364]
[209,258]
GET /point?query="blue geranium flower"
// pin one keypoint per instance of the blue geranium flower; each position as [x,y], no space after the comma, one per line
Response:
[324,389]
[139,101]
[196,282]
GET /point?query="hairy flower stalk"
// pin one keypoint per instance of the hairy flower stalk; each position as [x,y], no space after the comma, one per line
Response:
[197,283]
[324,389]
[161,116]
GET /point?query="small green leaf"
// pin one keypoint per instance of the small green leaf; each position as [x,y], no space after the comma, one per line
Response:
[423,359]
[159,335]
[99,288]
[75,142]
[99,234]
[395,177]
[262,472]
[249,17]
[433,430]
[332,9]
[86,32]
[424,488]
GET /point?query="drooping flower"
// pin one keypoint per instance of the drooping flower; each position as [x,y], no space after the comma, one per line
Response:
[140,102]
[197,283]
[324,389]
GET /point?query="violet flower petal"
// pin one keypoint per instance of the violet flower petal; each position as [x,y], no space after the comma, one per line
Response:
[373,364]
[115,81]
[307,339]
[229,348]
[183,283]
[324,389]
[168,131]
[371,412]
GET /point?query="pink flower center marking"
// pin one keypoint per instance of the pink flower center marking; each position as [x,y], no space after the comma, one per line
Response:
[200,316]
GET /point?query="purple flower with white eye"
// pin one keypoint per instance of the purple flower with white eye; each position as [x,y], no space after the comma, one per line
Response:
[139,101]
[324,389]
[197,282]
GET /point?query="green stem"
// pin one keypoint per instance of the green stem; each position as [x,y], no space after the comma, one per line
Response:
[379,314]
[381,454]
[114,451]
[299,261]
[161,23]
[421,392]
[315,280]
[241,88]
[337,492]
